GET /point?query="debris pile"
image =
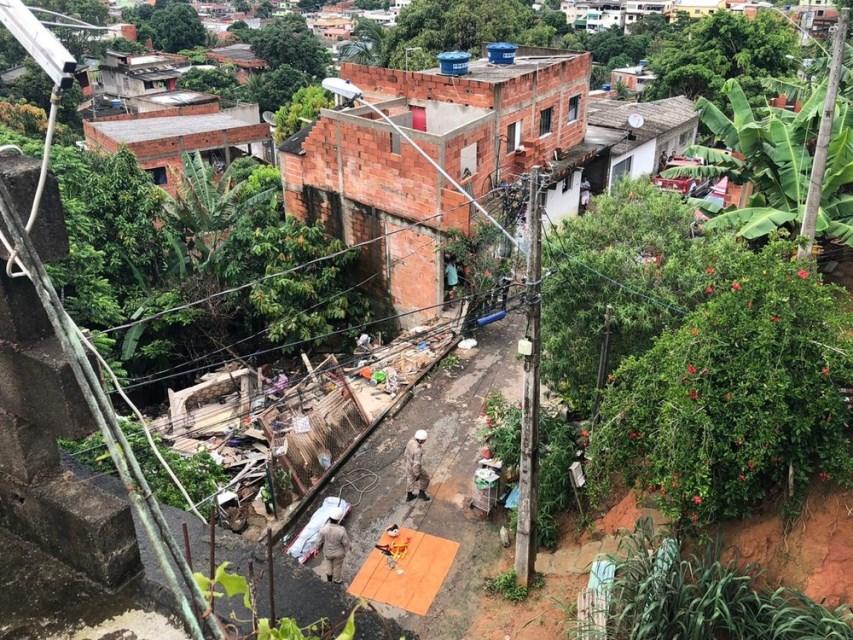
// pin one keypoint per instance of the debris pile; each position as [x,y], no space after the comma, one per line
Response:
[279,436]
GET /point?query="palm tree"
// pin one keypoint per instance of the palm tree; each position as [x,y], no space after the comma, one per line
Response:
[369,44]
[777,149]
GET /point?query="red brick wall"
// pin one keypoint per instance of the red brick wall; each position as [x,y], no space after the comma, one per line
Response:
[414,272]
[185,110]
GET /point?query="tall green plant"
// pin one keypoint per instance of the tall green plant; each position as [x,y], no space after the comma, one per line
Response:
[776,146]
[739,401]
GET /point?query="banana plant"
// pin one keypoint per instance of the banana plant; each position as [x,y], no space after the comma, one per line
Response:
[776,150]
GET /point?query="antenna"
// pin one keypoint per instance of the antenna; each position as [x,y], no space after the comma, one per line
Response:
[268,117]
[635,121]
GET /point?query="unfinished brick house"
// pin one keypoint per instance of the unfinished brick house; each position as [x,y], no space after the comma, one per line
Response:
[353,172]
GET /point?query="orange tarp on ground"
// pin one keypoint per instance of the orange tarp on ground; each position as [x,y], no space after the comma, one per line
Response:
[415,581]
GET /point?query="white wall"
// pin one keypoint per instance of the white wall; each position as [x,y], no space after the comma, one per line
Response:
[561,205]
[644,161]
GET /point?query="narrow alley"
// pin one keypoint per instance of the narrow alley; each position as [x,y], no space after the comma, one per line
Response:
[447,404]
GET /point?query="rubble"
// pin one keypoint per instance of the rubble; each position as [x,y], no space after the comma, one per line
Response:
[280,437]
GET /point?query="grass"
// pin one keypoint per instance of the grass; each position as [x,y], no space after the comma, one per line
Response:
[450,362]
[506,585]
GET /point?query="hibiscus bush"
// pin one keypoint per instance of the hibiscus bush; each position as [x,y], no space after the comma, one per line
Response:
[744,394]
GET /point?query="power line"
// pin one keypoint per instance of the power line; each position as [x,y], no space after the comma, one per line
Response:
[306,340]
[563,251]
[299,267]
[268,329]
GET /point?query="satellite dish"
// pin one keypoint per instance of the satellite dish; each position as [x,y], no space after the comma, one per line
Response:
[635,121]
[268,117]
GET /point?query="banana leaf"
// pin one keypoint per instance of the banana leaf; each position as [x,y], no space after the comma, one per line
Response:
[752,222]
[841,231]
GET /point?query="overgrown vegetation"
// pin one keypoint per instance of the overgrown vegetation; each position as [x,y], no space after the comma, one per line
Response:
[506,586]
[199,473]
[636,253]
[738,401]
[558,442]
[703,598]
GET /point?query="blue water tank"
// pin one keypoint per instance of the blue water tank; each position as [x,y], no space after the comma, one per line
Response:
[502,52]
[454,63]
[605,87]
[644,63]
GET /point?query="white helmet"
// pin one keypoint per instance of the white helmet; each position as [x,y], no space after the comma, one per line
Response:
[337,514]
[421,435]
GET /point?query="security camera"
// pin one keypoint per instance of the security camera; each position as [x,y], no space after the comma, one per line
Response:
[44,47]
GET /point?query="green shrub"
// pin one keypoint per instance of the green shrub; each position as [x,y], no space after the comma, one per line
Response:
[199,473]
[715,414]
[506,585]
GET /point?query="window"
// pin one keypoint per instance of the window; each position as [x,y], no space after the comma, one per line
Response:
[545,121]
[574,107]
[567,183]
[513,136]
[684,138]
[147,84]
[621,170]
[394,141]
[158,175]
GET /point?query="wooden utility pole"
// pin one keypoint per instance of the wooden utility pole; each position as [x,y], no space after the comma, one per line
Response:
[603,358]
[823,135]
[525,538]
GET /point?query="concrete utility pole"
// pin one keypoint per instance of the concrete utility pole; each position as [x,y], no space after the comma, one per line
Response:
[525,538]
[823,135]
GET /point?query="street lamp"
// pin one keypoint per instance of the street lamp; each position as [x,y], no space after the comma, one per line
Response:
[351,93]
[407,54]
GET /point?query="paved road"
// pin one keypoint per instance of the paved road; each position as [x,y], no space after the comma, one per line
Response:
[447,404]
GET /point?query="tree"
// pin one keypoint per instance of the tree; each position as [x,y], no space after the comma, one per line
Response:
[217,81]
[633,252]
[275,88]
[242,6]
[287,41]
[369,44]
[739,402]
[613,42]
[125,46]
[776,145]
[35,87]
[264,9]
[557,20]
[445,25]
[542,35]
[697,61]
[177,27]
[305,105]
[369,5]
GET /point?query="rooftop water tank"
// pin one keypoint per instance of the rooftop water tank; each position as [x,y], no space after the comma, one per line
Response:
[644,63]
[605,86]
[453,63]
[502,52]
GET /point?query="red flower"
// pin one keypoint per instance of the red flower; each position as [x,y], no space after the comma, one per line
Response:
[584,433]
[697,499]
[774,318]
[750,465]
[742,478]
[709,290]
[694,395]
[825,372]
[633,435]
[802,274]
[694,517]
[691,369]
[823,475]
[736,286]
[710,270]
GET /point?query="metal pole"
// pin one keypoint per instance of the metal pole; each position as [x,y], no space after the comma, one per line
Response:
[525,539]
[271,571]
[824,134]
[602,361]
[213,552]
[188,553]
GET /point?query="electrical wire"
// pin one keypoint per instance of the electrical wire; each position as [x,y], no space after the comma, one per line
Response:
[298,267]
[144,423]
[55,96]
[296,343]
[268,329]
[163,544]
